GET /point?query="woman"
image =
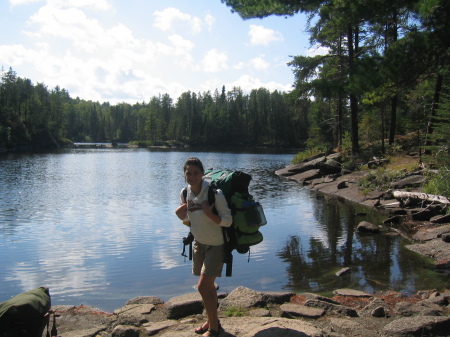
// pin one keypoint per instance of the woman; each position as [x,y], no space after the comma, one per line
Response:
[206,226]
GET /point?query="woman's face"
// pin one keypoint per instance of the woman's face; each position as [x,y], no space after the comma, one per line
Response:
[193,175]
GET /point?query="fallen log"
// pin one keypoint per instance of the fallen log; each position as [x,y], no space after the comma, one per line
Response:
[421,196]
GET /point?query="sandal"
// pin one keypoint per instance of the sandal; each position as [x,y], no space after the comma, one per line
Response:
[214,333]
[201,330]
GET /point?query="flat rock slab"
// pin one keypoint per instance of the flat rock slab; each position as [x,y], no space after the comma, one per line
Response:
[431,233]
[297,310]
[438,249]
[419,326]
[133,309]
[351,292]
[270,327]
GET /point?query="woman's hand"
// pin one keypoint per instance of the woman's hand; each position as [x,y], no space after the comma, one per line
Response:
[208,209]
[181,211]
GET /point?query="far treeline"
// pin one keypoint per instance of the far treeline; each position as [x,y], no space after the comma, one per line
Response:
[385,74]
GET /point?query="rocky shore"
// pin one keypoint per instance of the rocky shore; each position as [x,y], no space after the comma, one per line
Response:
[245,312]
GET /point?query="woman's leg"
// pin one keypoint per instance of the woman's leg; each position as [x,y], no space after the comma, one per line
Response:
[208,292]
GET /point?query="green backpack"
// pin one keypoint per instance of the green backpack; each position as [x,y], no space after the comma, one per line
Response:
[26,314]
[248,215]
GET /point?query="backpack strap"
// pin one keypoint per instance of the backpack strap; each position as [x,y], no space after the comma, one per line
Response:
[184,194]
[189,238]
[226,238]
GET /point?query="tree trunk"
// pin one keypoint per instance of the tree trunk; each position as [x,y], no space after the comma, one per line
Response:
[421,196]
[437,94]
[353,98]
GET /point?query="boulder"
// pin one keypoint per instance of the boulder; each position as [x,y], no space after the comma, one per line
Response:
[335,309]
[411,181]
[242,297]
[367,227]
[418,326]
[184,305]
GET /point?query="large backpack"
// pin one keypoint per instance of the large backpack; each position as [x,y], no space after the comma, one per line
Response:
[27,314]
[248,215]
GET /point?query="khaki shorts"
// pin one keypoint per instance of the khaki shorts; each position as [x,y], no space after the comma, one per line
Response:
[207,260]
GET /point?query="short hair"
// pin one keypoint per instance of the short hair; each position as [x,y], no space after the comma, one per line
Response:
[194,161]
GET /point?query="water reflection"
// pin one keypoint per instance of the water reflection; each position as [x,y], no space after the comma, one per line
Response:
[377,262]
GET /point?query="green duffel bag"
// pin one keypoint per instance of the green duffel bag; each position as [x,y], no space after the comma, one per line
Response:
[25,314]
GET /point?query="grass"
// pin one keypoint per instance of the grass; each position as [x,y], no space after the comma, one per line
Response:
[234,312]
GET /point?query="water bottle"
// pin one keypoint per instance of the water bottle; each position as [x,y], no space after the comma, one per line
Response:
[254,214]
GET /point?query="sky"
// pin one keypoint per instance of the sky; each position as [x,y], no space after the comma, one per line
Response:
[132,50]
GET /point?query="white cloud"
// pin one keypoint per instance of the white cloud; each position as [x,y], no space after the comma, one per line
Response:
[215,61]
[165,19]
[210,20]
[317,50]
[248,83]
[259,64]
[263,36]
[182,50]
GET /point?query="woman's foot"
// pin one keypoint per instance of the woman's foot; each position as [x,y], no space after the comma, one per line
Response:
[212,333]
[202,328]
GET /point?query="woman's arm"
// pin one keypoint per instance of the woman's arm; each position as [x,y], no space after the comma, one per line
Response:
[223,218]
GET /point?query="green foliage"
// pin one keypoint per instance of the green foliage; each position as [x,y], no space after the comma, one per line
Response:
[31,115]
[301,156]
[380,179]
[234,312]
[439,184]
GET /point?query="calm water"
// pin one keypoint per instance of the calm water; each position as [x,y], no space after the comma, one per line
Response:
[97,226]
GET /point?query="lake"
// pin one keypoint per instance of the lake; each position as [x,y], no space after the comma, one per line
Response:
[97,226]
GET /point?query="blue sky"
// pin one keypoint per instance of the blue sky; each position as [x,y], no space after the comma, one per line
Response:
[130,51]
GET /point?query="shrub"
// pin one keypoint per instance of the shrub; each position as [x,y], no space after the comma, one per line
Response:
[439,184]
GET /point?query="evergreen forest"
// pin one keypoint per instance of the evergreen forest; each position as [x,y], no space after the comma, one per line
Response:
[384,75]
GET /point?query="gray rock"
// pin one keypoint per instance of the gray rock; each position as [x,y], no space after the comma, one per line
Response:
[306,176]
[312,296]
[368,227]
[155,327]
[297,310]
[440,218]
[270,327]
[135,309]
[436,249]
[419,326]
[351,292]
[345,325]
[376,308]
[378,312]
[332,308]
[145,300]
[242,297]
[431,233]
[125,331]
[276,297]
[421,308]
[414,180]
[182,306]
[259,313]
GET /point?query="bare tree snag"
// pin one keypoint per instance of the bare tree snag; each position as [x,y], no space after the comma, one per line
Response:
[421,196]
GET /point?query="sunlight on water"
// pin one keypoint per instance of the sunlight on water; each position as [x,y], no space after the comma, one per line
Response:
[97,226]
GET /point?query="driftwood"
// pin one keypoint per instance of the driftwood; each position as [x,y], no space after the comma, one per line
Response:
[421,196]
